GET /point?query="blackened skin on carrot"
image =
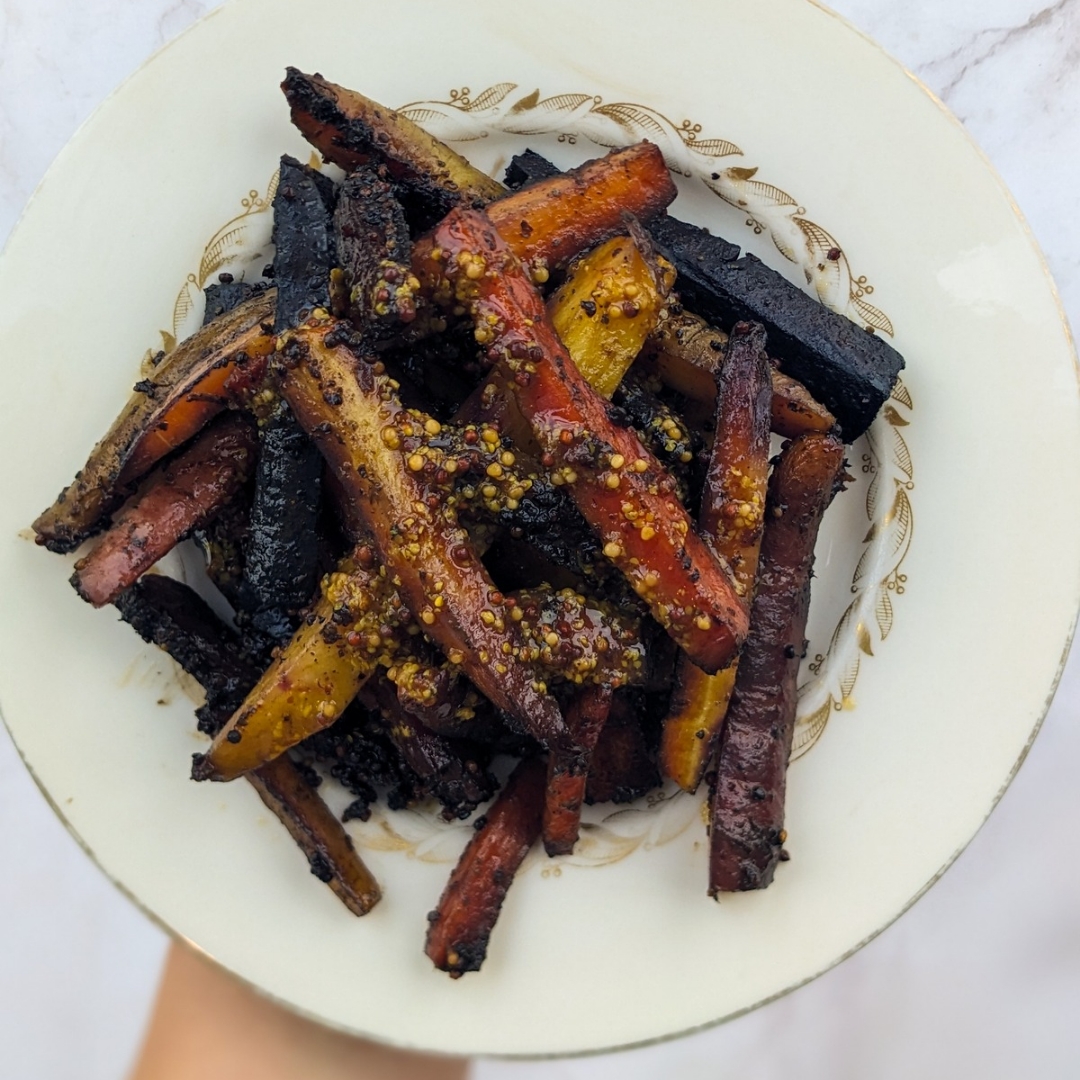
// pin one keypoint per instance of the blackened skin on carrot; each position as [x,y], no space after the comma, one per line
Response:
[850,371]
[185,392]
[627,497]
[281,558]
[352,130]
[173,617]
[461,925]
[181,496]
[568,776]
[373,281]
[454,772]
[623,768]
[747,832]
[304,242]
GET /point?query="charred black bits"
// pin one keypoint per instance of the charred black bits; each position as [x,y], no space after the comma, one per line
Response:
[321,868]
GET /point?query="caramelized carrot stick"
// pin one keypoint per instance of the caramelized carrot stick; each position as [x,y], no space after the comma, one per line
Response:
[318,833]
[686,352]
[619,487]
[609,305]
[552,221]
[351,409]
[567,777]
[747,833]
[185,392]
[352,629]
[461,925]
[732,517]
[180,497]
[172,616]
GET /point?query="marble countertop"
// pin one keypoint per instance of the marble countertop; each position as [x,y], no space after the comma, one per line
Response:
[981,977]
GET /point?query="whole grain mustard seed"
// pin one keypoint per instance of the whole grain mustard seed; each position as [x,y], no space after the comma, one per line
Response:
[612,550]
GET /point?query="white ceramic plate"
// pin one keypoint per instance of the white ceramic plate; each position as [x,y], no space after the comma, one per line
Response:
[948,578]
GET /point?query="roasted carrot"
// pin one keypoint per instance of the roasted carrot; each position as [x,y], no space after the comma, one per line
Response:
[608,306]
[351,409]
[546,224]
[185,392]
[568,776]
[622,767]
[172,616]
[732,517]
[461,925]
[549,223]
[686,352]
[318,833]
[448,769]
[747,830]
[373,278]
[619,487]
[351,130]
[180,497]
[352,629]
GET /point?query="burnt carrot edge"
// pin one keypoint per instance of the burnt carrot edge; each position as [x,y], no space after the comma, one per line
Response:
[460,926]
[620,488]
[747,815]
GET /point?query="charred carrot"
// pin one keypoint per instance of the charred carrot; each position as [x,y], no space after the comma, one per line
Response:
[461,925]
[352,629]
[352,410]
[568,776]
[686,352]
[747,831]
[318,833]
[732,517]
[352,130]
[172,616]
[180,497]
[166,410]
[619,487]
[551,222]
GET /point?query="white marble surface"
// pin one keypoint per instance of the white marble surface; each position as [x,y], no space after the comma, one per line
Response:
[981,978]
